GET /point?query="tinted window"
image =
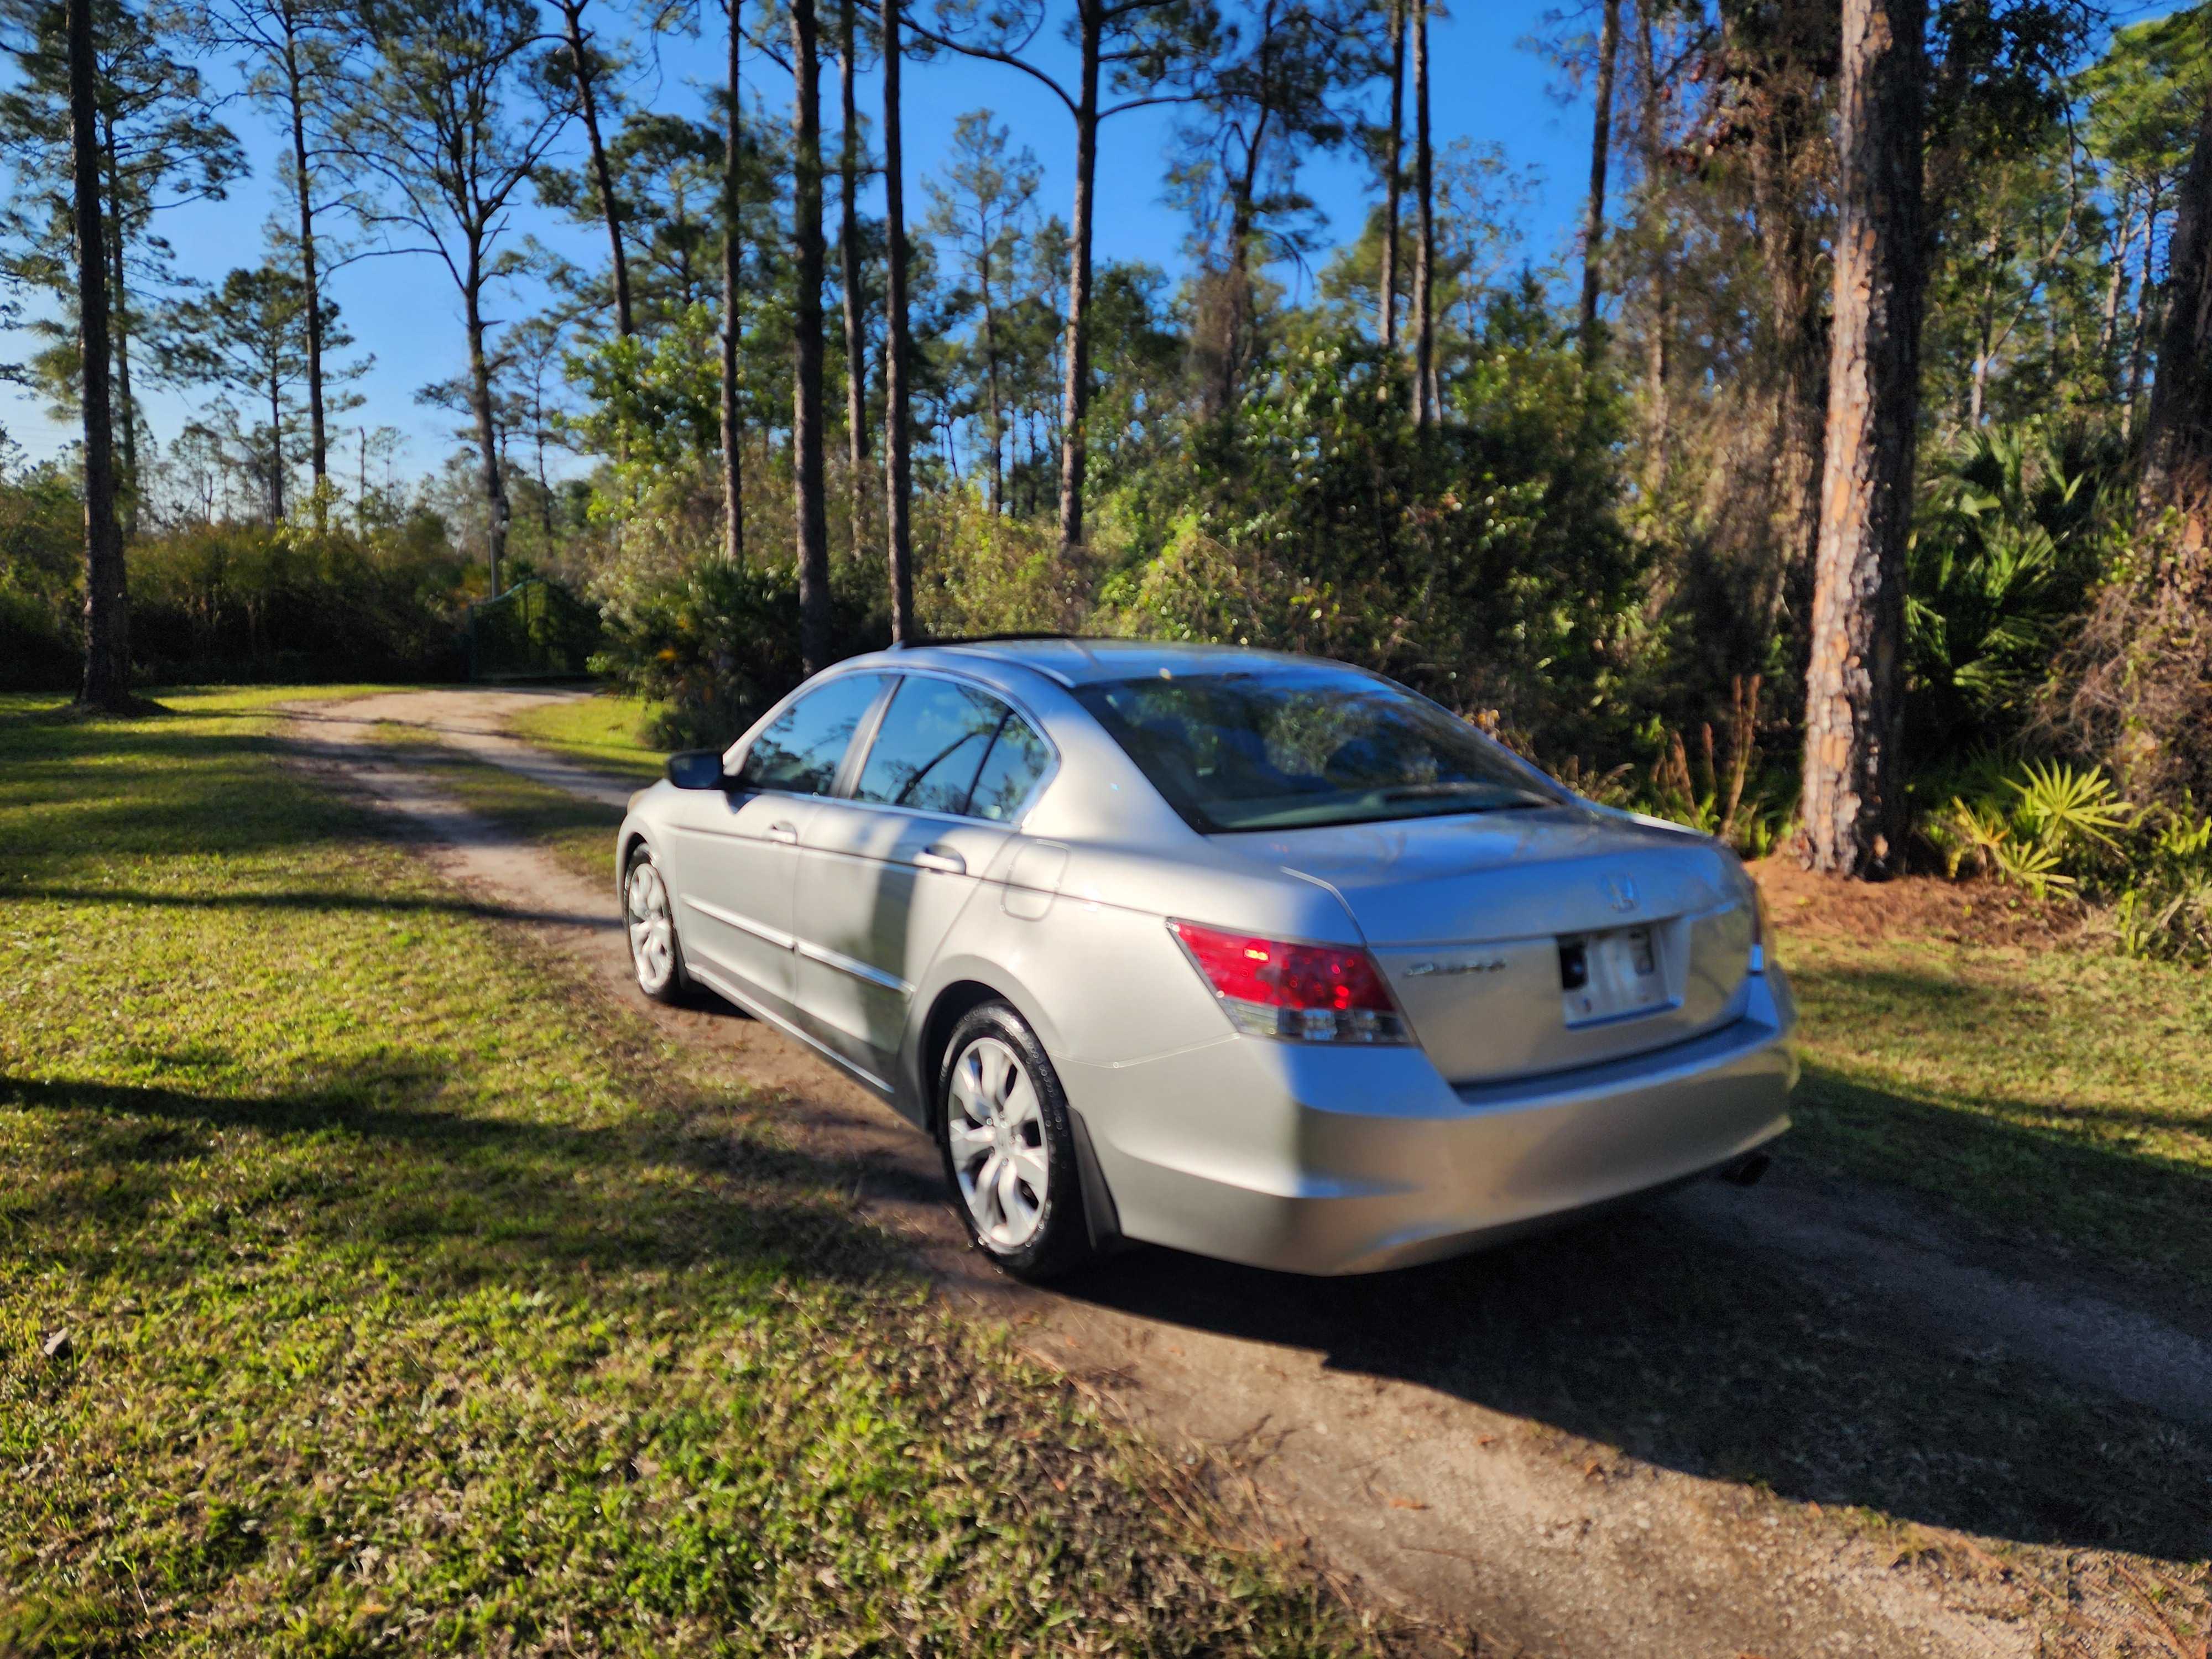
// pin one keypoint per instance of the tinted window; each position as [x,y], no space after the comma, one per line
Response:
[1018,759]
[1292,746]
[932,741]
[801,749]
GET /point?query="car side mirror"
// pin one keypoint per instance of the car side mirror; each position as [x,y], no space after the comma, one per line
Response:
[697,769]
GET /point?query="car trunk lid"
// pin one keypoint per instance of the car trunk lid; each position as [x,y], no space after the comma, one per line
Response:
[1523,942]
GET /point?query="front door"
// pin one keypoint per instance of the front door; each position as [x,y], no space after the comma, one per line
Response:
[736,852]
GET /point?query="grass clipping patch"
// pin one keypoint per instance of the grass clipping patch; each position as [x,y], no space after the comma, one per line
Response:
[366,1289]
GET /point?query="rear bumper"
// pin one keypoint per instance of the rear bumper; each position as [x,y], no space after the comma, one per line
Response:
[1336,1161]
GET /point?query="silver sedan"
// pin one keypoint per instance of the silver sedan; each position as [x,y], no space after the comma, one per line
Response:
[1252,955]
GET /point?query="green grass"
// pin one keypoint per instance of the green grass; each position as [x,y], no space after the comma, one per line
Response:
[2068,1092]
[606,731]
[403,1295]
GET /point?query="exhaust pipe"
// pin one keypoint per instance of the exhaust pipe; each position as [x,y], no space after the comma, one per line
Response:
[1746,1170]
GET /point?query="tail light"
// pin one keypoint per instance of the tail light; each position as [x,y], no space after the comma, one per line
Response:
[1304,993]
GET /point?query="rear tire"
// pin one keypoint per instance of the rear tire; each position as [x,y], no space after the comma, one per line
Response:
[656,955]
[1009,1151]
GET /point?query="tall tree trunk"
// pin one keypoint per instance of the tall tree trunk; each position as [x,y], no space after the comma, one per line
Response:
[310,277]
[733,486]
[119,303]
[1075,391]
[1790,256]
[994,414]
[1393,180]
[106,609]
[1659,328]
[587,105]
[1230,373]
[1609,47]
[1424,253]
[813,532]
[2176,470]
[898,477]
[275,450]
[848,248]
[1854,799]
[2139,324]
[497,513]
[2108,324]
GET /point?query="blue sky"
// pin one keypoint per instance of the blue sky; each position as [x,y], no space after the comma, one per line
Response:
[1485,84]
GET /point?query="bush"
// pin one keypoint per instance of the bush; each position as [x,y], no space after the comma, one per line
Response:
[254,602]
[718,643]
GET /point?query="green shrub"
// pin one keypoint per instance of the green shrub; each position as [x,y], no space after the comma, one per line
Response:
[718,643]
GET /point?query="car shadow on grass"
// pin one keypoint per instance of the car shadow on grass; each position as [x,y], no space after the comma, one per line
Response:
[1638,1330]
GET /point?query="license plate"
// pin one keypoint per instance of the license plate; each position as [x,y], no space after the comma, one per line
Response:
[1612,975]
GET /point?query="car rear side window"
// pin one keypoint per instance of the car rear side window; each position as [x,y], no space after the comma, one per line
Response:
[1295,746]
[931,743]
[1018,759]
[801,750]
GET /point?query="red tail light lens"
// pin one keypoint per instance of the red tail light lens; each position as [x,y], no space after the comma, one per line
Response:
[1305,993]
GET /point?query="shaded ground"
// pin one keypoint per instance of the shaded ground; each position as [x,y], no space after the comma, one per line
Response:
[1816,1417]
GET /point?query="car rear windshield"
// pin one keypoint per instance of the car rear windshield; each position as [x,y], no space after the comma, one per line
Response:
[1292,748]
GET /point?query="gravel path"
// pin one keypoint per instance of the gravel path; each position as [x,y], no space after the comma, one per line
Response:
[1378,1418]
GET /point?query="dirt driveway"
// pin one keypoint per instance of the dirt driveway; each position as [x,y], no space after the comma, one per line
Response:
[1808,1419]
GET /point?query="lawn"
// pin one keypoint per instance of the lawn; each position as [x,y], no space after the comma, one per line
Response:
[606,730]
[369,1285]
[2061,1089]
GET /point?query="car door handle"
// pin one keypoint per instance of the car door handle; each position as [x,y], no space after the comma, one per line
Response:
[781,831]
[941,858]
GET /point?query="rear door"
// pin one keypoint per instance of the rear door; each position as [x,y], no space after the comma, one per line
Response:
[735,853]
[884,871]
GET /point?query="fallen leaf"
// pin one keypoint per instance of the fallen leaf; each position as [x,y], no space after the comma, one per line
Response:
[58,1345]
[1407,1504]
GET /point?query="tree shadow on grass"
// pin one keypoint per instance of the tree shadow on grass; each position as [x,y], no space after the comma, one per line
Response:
[318,899]
[463,1196]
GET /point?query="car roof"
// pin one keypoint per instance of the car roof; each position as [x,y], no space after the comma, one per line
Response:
[1074,661]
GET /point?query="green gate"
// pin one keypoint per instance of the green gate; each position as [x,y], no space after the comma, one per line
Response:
[536,630]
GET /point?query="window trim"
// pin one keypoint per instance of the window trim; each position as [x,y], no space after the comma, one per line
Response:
[848,783]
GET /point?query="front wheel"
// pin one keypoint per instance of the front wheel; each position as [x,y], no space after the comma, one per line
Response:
[649,916]
[1009,1152]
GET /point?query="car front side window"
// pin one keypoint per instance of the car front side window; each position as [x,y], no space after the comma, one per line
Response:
[800,752]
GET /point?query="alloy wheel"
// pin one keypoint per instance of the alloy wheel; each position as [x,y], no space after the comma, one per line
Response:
[652,927]
[996,1133]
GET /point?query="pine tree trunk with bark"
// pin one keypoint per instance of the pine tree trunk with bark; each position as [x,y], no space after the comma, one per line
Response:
[1854,784]
[106,683]
[1425,250]
[119,312]
[1609,47]
[849,249]
[898,477]
[498,515]
[603,184]
[1393,181]
[2177,467]
[811,526]
[1659,328]
[310,277]
[1075,390]
[733,486]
